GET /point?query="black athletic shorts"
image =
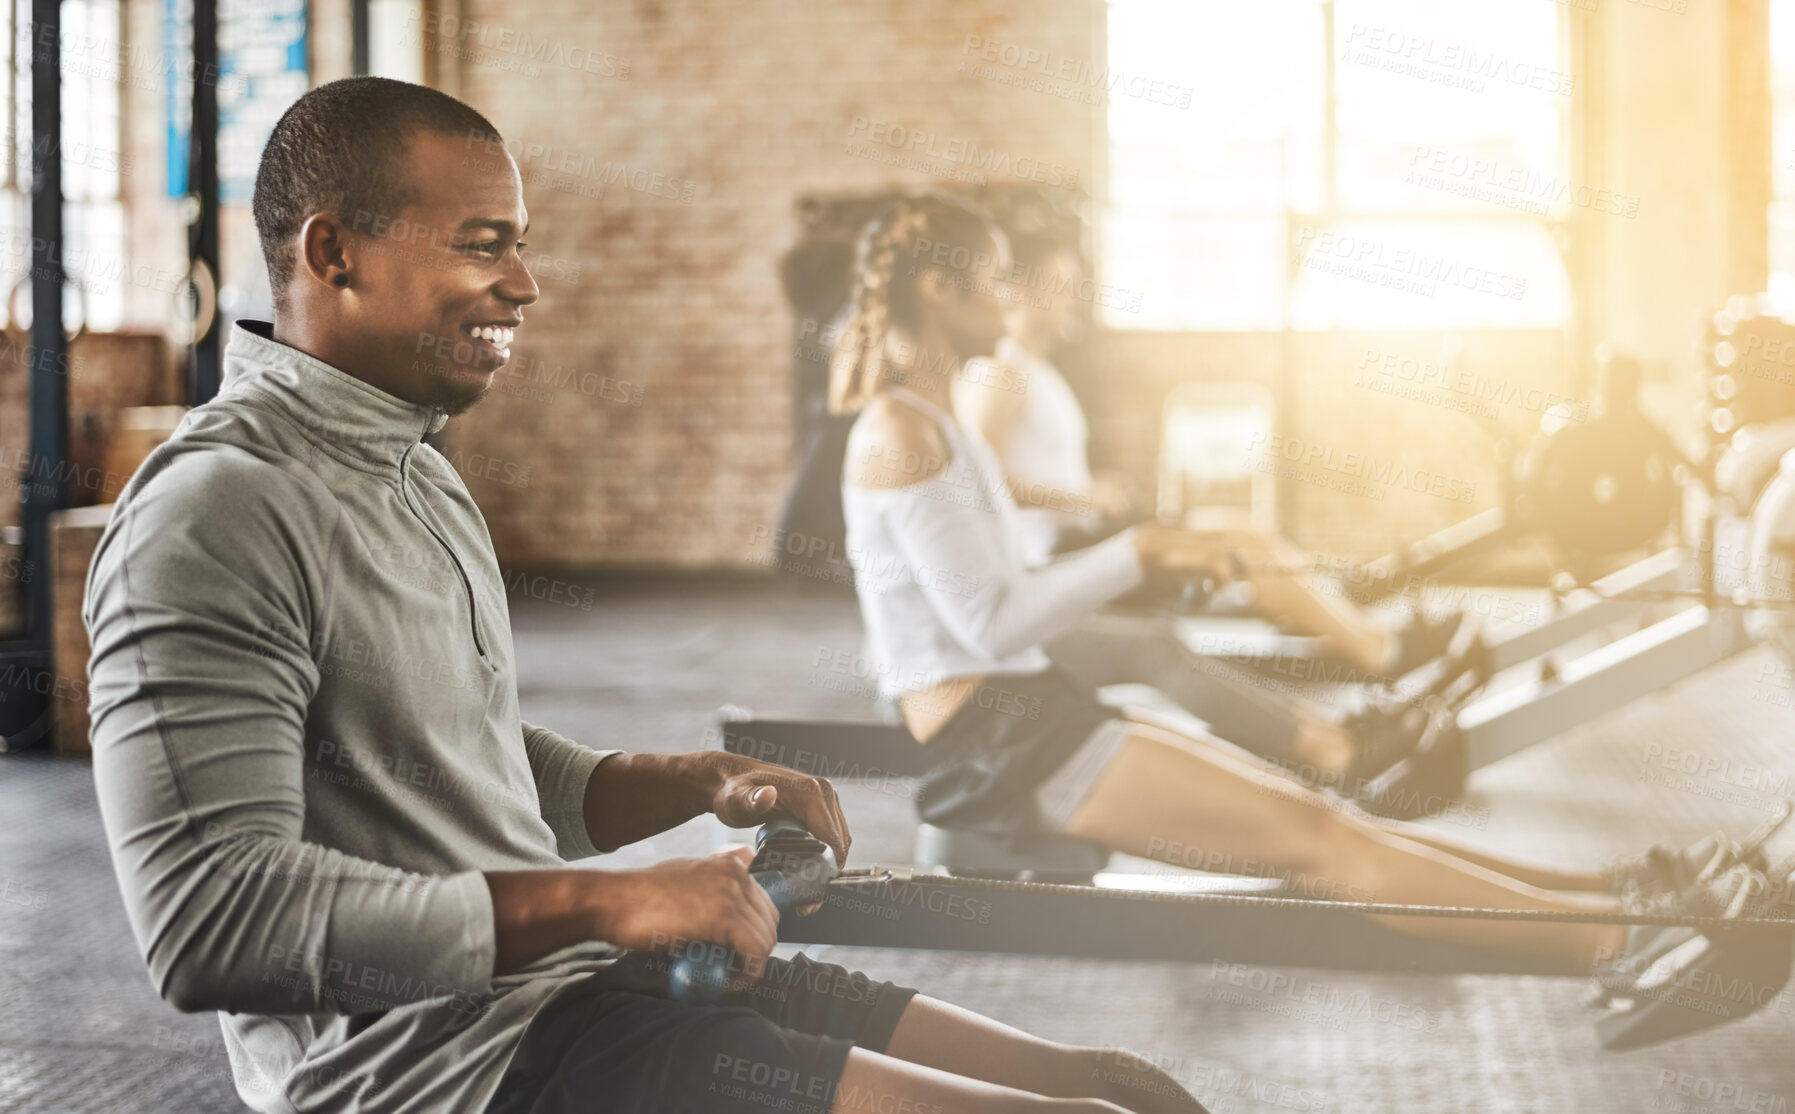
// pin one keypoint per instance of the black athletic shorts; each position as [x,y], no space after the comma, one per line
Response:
[987,760]
[615,1043]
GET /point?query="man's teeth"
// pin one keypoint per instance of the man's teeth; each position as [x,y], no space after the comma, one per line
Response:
[497,334]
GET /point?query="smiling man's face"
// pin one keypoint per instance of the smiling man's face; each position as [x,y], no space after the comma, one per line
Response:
[438,288]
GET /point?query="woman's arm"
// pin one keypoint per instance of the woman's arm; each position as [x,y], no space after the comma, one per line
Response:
[990,606]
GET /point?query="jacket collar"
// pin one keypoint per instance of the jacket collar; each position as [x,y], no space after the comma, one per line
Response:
[353,418]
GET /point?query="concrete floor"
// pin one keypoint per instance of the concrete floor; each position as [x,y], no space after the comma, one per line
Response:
[81,1029]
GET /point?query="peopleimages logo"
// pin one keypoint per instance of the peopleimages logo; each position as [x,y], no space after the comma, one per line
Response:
[962,152]
[1510,185]
[1368,467]
[1436,381]
[545,48]
[549,158]
[1078,74]
[1453,64]
[1400,267]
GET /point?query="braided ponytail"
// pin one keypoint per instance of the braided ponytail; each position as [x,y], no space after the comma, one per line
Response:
[884,295]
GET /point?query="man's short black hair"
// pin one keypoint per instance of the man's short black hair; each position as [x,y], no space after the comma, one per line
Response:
[339,149]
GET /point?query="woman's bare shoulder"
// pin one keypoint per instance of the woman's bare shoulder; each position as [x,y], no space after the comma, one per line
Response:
[894,445]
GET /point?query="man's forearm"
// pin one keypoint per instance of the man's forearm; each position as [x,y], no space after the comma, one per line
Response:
[539,912]
[536,912]
[635,796]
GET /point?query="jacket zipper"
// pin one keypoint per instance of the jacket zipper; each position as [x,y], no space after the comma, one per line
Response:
[473,610]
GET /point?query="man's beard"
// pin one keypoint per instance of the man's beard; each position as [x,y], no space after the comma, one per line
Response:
[460,403]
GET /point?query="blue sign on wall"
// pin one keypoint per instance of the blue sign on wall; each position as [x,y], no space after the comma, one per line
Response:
[177,48]
[261,70]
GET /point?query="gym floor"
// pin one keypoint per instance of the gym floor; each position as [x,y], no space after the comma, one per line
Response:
[82,1031]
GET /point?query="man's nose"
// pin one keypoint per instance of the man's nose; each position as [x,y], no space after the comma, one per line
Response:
[519,285]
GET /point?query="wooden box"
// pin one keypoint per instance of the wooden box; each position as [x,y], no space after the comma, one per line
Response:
[74,534]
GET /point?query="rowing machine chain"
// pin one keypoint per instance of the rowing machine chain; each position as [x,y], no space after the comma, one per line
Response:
[898,876]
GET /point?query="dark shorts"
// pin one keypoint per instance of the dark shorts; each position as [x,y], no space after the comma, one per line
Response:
[988,759]
[614,1042]
[1107,650]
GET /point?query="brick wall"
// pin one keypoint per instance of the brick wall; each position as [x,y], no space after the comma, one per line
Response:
[650,396]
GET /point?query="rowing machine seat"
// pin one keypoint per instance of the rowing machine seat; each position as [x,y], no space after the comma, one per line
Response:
[837,749]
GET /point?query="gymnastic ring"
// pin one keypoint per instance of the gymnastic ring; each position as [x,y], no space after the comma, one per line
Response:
[187,330]
[13,316]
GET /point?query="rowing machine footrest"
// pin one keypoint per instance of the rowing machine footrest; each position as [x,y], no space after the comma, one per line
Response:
[1036,856]
[1720,978]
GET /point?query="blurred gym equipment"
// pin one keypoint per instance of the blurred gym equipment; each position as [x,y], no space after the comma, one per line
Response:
[1596,490]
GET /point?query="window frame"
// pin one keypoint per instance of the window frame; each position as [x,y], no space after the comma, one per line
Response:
[1559,228]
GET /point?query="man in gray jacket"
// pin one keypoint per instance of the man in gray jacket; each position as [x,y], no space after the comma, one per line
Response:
[325,815]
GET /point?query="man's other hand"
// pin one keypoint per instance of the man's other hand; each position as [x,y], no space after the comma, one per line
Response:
[751,792]
[664,907]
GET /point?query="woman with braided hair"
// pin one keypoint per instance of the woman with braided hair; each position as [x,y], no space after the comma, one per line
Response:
[955,617]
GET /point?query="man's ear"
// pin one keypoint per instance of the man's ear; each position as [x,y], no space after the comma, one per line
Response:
[324,250]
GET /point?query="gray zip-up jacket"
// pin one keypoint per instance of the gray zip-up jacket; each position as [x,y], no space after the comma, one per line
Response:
[307,746]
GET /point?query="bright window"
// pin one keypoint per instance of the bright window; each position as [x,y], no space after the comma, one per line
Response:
[1357,164]
[93,214]
[396,39]
[92,160]
[1782,171]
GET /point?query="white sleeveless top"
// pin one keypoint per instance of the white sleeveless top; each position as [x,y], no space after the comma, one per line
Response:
[944,584]
[1046,450]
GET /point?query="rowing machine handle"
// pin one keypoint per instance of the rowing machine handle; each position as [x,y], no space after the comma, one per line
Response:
[794,868]
[1197,591]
